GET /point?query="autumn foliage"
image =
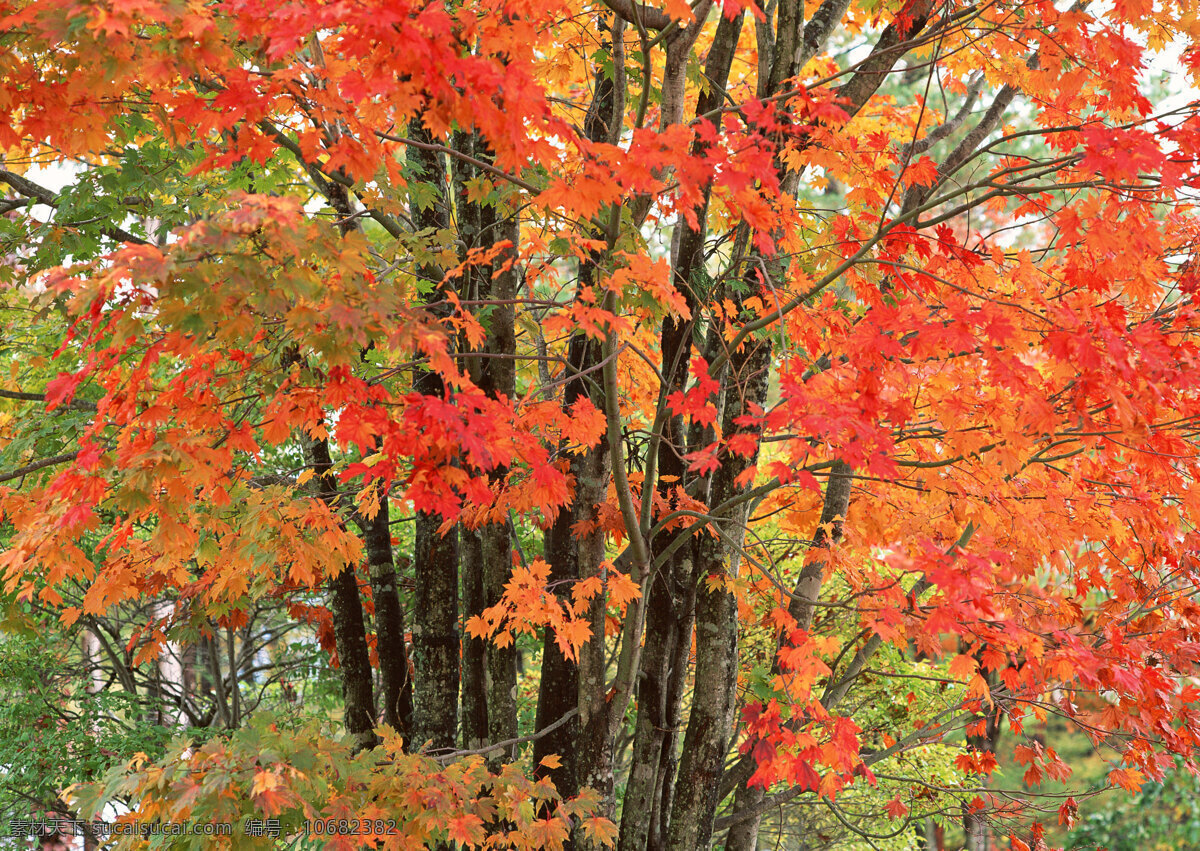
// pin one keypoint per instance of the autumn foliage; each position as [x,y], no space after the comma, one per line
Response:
[659,417]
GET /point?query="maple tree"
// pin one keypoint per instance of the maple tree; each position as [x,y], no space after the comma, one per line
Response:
[809,390]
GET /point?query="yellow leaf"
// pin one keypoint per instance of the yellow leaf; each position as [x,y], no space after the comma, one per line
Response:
[264,781]
[600,830]
[622,589]
[978,688]
[1126,778]
[963,667]
[583,593]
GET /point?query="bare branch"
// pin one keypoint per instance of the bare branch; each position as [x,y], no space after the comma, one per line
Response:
[639,14]
[39,465]
[949,126]
[79,404]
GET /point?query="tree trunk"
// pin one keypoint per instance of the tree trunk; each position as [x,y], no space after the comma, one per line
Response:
[792,45]
[389,614]
[567,685]
[469,221]
[435,635]
[711,722]
[584,742]
[975,825]
[474,650]
[501,669]
[671,595]
[349,631]
[498,378]
[435,555]
[394,684]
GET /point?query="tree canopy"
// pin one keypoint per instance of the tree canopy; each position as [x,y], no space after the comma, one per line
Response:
[580,424]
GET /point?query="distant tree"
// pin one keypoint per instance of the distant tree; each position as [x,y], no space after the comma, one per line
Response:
[1164,816]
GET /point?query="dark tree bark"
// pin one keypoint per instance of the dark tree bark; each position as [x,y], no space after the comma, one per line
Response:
[501,661]
[349,629]
[474,650]
[568,685]
[671,593]
[584,742]
[710,724]
[792,45]
[469,218]
[435,556]
[348,617]
[394,682]
[395,685]
[349,621]
[497,378]
[435,635]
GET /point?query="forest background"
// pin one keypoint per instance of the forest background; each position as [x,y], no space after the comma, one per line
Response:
[571,424]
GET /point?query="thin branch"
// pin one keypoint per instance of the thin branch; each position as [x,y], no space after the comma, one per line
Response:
[640,15]
[51,199]
[507,743]
[20,396]
[38,465]
[459,155]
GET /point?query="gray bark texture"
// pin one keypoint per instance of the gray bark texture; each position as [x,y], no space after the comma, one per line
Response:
[435,633]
